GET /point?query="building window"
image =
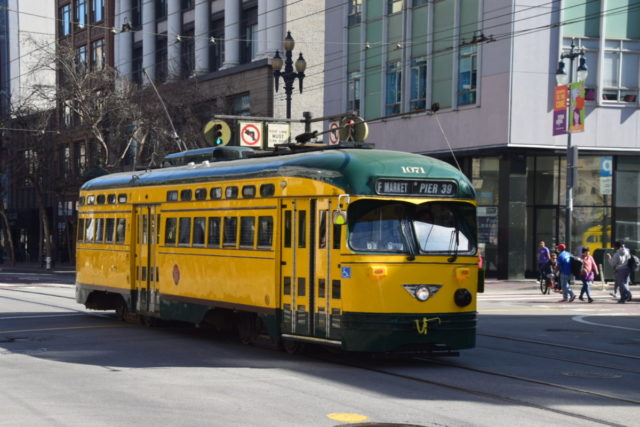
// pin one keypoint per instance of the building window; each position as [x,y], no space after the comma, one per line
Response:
[394,88]
[186,4]
[65,20]
[249,28]
[97,10]
[161,58]
[216,47]
[355,12]
[620,71]
[136,64]
[187,53]
[136,14]
[97,55]
[467,75]
[161,9]
[353,92]
[81,158]
[81,14]
[241,104]
[394,6]
[81,59]
[417,3]
[418,84]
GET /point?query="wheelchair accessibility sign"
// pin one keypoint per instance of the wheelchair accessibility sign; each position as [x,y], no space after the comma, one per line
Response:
[346,272]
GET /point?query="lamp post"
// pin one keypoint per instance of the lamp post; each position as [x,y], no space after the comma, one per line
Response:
[288,75]
[563,79]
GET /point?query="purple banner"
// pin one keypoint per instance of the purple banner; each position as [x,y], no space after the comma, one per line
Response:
[559,122]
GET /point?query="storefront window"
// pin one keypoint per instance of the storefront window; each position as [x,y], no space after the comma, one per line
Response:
[546,180]
[627,209]
[485,180]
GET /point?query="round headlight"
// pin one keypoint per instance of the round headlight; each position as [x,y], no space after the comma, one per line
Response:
[423,293]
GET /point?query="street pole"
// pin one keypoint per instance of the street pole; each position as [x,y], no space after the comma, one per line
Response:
[570,174]
[288,75]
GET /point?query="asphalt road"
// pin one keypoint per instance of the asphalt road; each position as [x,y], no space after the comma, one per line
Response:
[538,362]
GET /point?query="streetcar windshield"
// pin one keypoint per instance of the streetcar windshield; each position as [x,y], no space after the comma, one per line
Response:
[429,228]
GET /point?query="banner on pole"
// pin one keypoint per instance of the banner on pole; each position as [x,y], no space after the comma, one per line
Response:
[576,107]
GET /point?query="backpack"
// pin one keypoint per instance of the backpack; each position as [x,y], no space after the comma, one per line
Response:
[576,266]
[633,263]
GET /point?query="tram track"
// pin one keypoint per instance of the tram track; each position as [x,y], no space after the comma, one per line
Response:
[491,395]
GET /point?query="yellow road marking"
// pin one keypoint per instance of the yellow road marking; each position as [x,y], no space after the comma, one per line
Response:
[61,329]
[347,418]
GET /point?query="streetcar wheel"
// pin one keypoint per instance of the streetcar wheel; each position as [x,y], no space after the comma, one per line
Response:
[292,347]
[247,327]
[122,311]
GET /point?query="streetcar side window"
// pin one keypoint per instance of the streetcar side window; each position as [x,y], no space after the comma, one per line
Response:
[172,196]
[302,229]
[201,194]
[322,230]
[267,190]
[215,193]
[249,191]
[80,229]
[81,200]
[121,230]
[198,231]
[337,236]
[111,199]
[170,227]
[213,238]
[89,229]
[287,229]
[185,195]
[184,231]
[122,198]
[247,231]
[265,231]
[101,199]
[142,231]
[230,231]
[231,192]
[99,230]
[108,235]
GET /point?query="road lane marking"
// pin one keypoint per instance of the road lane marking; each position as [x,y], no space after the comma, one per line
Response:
[40,316]
[63,329]
[580,319]
[347,418]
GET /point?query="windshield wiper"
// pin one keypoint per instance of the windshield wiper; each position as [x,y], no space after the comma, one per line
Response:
[455,242]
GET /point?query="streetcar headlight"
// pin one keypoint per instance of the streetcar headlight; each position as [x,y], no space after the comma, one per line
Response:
[462,297]
[422,292]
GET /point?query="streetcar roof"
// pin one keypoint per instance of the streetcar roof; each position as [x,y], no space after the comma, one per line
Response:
[353,170]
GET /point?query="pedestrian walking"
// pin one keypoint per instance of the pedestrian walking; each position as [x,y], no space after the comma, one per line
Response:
[564,261]
[589,271]
[619,262]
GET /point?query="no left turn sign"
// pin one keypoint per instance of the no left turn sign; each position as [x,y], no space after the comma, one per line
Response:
[334,135]
[250,134]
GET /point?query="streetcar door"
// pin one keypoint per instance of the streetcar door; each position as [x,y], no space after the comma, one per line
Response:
[323,262]
[297,268]
[146,269]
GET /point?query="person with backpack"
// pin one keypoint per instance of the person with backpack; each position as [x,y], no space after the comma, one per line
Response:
[589,271]
[620,264]
[564,261]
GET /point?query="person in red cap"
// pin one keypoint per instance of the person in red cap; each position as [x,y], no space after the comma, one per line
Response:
[564,261]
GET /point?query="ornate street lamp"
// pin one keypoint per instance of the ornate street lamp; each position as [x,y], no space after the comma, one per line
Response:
[562,79]
[288,75]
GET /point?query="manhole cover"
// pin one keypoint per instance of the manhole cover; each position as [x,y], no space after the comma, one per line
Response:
[591,374]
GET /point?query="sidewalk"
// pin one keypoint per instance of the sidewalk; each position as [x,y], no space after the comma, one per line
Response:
[34,267]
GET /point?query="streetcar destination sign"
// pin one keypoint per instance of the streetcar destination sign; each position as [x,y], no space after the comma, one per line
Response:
[415,187]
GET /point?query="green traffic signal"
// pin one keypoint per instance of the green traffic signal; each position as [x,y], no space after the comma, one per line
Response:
[217,134]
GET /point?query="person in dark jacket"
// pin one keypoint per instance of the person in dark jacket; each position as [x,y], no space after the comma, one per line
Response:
[564,261]
[619,262]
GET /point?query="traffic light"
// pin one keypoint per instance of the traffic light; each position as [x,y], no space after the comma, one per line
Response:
[217,132]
